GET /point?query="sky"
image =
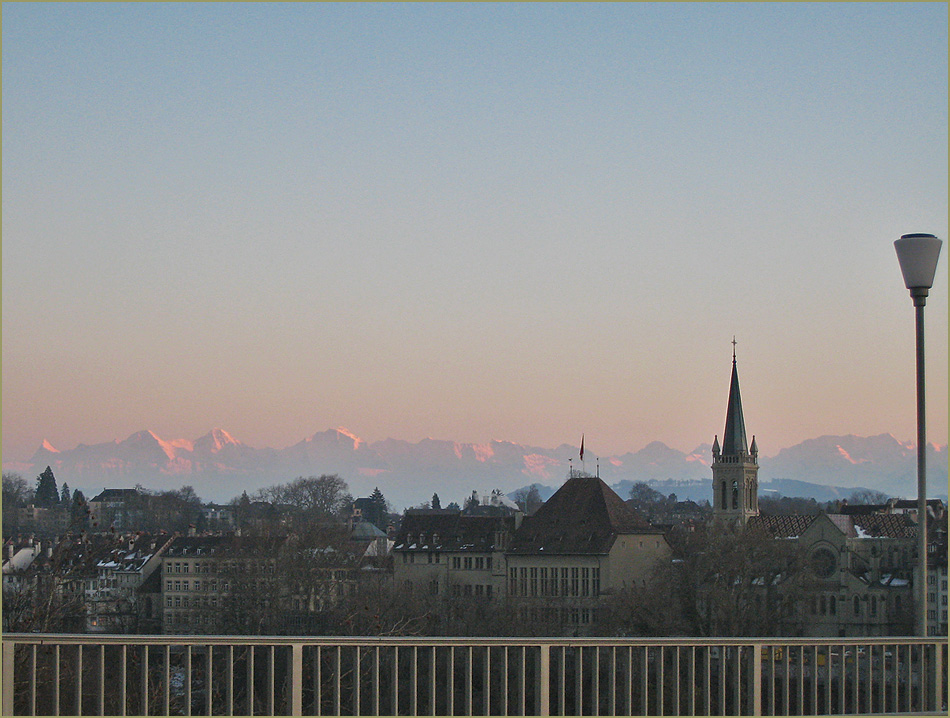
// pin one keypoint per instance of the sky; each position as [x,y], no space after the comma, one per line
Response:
[468,222]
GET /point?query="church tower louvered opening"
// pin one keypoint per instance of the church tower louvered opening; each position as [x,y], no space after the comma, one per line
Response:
[735,464]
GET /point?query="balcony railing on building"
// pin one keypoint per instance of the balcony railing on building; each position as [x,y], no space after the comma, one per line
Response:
[228,675]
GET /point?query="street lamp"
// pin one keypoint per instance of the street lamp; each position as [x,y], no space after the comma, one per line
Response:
[918,254]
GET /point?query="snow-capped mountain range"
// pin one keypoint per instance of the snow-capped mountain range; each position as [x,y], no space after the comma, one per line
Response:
[220,467]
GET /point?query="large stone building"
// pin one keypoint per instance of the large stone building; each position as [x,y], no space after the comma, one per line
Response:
[581,546]
[448,552]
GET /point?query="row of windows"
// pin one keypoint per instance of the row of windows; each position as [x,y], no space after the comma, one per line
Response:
[213,567]
[197,602]
[472,563]
[549,614]
[471,590]
[186,585]
[567,581]
[829,605]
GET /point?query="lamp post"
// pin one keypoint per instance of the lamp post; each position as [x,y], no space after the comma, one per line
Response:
[918,254]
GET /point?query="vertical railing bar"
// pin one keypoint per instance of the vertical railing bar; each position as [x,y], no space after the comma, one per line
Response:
[167,673]
[842,678]
[504,683]
[271,679]
[786,679]
[677,697]
[644,678]
[124,656]
[612,700]
[229,683]
[144,680]
[356,680]
[188,679]
[828,667]
[101,707]
[596,682]
[756,693]
[660,671]
[251,655]
[486,680]
[898,693]
[209,679]
[524,680]
[707,661]
[395,688]
[9,666]
[738,682]
[938,677]
[722,679]
[469,674]
[77,703]
[856,684]
[336,682]
[579,683]
[432,680]
[317,682]
[451,679]
[882,693]
[691,681]
[295,689]
[771,663]
[56,680]
[544,680]
[909,693]
[414,694]
[8,691]
[375,692]
[562,683]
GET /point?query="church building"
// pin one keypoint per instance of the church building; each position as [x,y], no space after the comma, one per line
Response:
[735,464]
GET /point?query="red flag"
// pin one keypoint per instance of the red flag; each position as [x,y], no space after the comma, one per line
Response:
[582,447]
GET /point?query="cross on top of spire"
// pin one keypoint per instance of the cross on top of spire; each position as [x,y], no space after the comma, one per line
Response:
[733,348]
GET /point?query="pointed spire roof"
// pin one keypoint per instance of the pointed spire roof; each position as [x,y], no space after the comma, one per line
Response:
[734,441]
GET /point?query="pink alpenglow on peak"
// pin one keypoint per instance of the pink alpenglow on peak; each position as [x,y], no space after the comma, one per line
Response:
[46,446]
[483,452]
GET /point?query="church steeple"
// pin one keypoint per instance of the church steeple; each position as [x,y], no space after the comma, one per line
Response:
[733,438]
[735,468]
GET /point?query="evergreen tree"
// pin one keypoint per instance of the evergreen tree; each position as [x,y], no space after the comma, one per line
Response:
[379,510]
[436,503]
[47,495]
[64,496]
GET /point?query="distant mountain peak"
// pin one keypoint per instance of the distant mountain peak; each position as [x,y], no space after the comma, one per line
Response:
[215,440]
[46,446]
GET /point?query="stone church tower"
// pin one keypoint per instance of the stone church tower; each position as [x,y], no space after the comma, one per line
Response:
[735,465]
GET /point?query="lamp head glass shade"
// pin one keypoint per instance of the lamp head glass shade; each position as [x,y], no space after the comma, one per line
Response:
[918,254]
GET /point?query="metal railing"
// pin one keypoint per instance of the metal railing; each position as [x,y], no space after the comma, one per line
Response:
[240,675]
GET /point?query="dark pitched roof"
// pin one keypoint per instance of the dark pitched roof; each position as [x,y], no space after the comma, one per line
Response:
[885,525]
[733,438]
[782,525]
[852,526]
[116,495]
[450,531]
[583,516]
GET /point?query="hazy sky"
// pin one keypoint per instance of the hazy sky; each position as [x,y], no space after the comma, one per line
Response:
[468,222]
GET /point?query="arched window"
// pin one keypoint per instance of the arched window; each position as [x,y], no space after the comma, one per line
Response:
[857,606]
[735,494]
[723,502]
